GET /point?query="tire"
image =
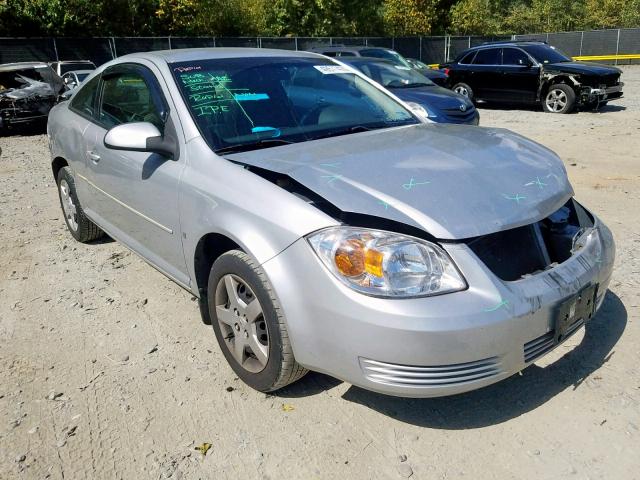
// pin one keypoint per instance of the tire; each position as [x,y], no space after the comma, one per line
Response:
[559,98]
[237,272]
[80,227]
[464,90]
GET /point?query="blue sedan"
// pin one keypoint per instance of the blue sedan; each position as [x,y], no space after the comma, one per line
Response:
[436,103]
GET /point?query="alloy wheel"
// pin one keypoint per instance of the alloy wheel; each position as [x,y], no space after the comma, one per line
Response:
[462,91]
[68,207]
[556,100]
[242,323]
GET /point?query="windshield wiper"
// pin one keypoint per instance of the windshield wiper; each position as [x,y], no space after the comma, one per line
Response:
[412,85]
[245,147]
[343,131]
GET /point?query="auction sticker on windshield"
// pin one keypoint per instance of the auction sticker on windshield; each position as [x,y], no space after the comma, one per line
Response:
[326,69]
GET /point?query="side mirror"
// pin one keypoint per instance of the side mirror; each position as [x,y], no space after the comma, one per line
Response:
[140,137]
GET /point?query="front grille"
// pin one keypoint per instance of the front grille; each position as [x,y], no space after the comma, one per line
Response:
[610,80]
[538,347]
[431,376]
[457,116]
[514,253]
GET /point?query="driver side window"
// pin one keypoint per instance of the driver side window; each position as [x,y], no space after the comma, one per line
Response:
[126,98]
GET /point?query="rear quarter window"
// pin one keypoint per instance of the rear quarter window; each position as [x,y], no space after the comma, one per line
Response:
[467,59]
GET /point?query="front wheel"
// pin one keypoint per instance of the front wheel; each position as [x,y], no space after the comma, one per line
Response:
[560,98]
[249,324]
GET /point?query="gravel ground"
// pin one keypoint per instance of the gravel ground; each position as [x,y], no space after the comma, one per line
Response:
[106,370]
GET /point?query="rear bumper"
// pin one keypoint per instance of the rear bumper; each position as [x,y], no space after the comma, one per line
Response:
[433,346]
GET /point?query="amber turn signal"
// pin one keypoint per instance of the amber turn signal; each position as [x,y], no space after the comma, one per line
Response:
[349,258]
[353,259]
[373,262]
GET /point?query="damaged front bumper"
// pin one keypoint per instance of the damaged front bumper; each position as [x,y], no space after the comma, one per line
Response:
[601,94]
[441,345]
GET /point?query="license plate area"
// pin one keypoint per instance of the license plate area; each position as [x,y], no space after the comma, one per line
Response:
[578,308]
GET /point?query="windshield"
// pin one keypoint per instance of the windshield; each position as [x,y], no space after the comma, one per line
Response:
[17,78]
[393,76]
[393,57]
[240,102]
[545,54]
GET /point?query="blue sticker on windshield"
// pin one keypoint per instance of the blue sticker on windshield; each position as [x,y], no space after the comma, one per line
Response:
[245,97]
[276,131]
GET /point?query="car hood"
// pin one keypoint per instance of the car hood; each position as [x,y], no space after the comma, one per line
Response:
[582,68]
[433,96]
[452,181]
[431,73]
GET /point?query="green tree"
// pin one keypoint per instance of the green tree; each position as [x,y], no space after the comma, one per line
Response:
[544,16]
[612,13]
[208,18]
[323,17]
[409,17]
[476,17]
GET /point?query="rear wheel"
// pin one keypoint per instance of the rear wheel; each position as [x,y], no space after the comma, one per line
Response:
[464,90]
[560,98]
[82,229]
[249,325]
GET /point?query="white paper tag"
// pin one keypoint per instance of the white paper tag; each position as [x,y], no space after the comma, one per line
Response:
[328,69]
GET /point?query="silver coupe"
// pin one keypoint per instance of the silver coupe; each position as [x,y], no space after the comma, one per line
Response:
[323,225]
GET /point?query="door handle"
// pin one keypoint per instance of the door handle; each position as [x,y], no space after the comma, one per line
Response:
[95,158]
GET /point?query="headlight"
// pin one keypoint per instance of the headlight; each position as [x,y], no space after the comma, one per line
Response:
[386,264]
[420,110]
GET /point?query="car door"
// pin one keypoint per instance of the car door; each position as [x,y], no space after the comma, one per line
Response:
[135,195]
[486,73]
[519,76]
[84,105]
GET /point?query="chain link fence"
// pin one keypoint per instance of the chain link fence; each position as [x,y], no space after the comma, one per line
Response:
[619,42]
[616,44]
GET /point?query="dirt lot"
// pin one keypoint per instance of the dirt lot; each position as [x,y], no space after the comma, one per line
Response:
[106,370]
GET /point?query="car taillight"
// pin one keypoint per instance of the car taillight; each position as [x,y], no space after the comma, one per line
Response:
[446,71]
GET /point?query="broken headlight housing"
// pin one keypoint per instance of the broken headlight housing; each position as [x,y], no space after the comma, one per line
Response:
[386,264]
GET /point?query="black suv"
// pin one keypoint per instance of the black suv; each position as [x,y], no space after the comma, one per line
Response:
[532,72]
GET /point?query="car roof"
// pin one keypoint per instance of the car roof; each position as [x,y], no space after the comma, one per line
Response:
[508,43]
[7,67]
[505,43]
[196,54]
[366,60]
[73,61]
[342,48]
